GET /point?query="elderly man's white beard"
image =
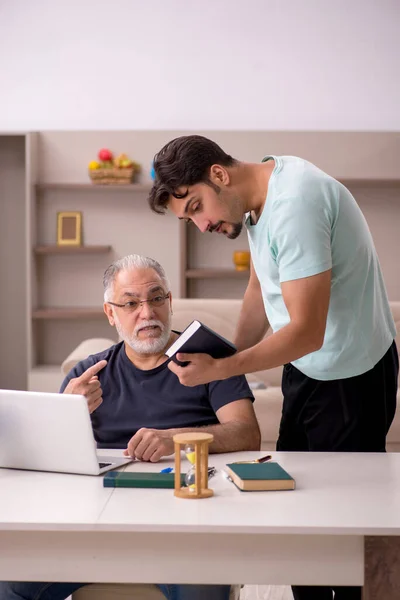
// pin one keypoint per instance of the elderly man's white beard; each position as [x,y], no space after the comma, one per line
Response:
[152,345]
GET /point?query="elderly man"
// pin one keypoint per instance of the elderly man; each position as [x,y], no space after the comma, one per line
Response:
[138,404]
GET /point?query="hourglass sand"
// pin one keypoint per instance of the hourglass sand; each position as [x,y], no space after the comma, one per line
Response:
[196,450]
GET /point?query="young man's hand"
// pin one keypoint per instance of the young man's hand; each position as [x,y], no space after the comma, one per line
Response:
[202,368]
[88,385]
[150,444]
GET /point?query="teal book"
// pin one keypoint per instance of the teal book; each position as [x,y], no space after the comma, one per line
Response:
[268,476]
[140,480]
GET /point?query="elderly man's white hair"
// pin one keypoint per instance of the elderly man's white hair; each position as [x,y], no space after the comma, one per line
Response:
[129,263]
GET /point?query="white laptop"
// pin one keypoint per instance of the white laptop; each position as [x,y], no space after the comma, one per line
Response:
[50,432]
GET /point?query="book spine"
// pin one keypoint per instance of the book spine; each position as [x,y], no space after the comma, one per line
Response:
[139,484]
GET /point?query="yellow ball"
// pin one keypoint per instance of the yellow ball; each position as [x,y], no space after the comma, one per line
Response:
[94,165]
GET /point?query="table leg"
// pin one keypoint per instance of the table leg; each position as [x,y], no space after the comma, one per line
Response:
[382,568]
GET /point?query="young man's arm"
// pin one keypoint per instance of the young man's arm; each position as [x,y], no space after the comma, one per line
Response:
[253,323]
[237,430]
[307,302]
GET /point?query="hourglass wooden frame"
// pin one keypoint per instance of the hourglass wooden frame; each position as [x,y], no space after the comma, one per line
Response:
[200,442]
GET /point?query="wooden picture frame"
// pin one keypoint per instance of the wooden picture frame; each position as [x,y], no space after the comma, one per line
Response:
[69,228]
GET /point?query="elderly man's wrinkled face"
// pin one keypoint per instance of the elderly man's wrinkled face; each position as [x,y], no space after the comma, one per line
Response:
[141,310]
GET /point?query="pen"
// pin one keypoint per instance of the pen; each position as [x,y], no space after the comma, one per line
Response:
[226,475]
[263,459]
[211,472]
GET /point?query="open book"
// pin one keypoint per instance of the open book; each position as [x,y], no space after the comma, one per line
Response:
[197,337]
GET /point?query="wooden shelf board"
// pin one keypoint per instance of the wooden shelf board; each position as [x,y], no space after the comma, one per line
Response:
[53,249]
[213,273]
[67,313]
[373,183]
[13,133]
[131,187]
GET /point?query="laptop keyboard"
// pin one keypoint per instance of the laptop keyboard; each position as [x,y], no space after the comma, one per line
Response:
[102,465]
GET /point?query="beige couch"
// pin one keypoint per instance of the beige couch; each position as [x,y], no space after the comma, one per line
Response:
[124,591]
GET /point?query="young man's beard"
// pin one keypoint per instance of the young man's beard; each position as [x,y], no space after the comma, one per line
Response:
[236,231]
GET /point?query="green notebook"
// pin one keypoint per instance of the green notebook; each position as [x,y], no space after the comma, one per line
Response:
[260,477]
[140,480]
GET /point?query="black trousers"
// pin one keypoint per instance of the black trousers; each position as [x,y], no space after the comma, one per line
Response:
[344,415]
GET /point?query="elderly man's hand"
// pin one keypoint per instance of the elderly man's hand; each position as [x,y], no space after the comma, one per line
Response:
[88,385]
[202,368]
[150,444]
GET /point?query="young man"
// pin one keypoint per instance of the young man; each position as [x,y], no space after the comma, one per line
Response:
[315,279]
[138,404]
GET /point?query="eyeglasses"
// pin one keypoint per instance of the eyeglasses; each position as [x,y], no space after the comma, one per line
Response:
[133,305]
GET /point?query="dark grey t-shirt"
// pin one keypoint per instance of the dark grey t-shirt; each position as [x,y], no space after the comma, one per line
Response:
[155,399]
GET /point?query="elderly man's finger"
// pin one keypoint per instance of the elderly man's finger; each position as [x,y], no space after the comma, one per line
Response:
[135,441]
[94,405]
[94,394]
[93,370]
[94,384]
[150,449]
[142,447]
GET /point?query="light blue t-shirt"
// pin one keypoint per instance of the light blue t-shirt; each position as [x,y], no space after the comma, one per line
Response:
[311,223]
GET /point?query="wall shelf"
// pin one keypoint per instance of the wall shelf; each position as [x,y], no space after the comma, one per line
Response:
[67,313]
[60,321]
[54,249]
[214,273]
[73,187]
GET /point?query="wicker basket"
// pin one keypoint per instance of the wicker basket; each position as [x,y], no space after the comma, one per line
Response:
[113,176]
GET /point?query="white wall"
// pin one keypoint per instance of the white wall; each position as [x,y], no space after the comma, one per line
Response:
[215,64]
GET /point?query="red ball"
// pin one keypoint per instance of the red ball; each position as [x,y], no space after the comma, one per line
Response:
[105,155]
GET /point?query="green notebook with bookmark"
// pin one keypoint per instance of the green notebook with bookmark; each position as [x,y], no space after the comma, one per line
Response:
[251,477]
[140,480]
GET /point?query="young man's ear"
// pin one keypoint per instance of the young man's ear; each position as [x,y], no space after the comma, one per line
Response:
[219,175]
[109,312]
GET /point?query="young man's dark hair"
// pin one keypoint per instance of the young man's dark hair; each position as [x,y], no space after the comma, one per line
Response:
[183,162]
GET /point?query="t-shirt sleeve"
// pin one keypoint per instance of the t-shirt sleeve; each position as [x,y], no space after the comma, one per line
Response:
[228,390]
[77,370]
[300,237]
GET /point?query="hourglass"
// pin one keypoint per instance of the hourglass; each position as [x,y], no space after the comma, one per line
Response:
[196,450]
